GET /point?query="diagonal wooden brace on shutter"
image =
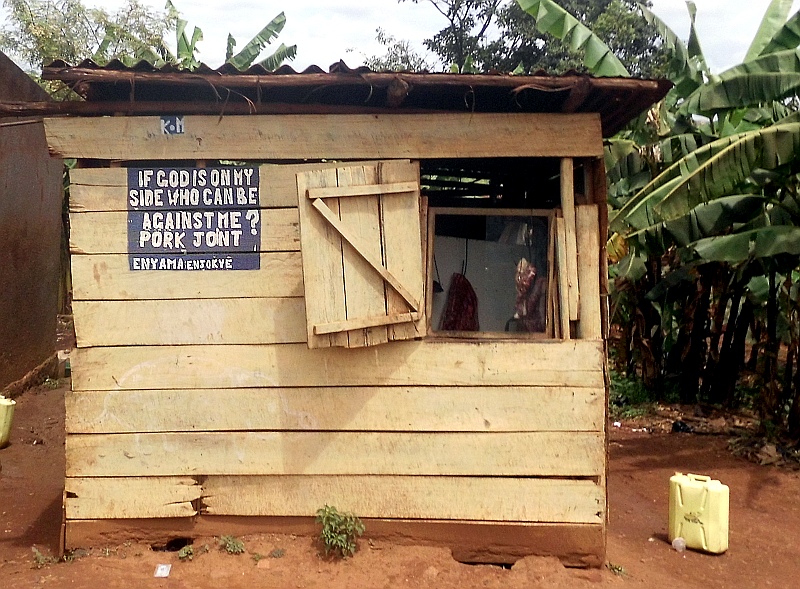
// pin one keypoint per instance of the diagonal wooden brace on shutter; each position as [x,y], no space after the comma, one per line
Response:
[361,250]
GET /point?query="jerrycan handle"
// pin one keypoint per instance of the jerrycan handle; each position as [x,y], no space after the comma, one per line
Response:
[698,477]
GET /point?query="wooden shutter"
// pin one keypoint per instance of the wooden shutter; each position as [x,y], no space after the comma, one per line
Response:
[361,244]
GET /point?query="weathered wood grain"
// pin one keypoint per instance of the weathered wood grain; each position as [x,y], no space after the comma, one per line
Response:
[587,223]
[323,282]
[528,454]
[130,497]
[576,363]
[177,322]
[107,277]
[364,289]
[562,278]
[457,498]
[376,136]
[424,409]
[570,264]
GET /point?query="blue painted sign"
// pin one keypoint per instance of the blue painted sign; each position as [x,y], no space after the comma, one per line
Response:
[193,218]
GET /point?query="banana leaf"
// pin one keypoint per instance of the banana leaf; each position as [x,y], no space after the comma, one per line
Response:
[705,220]
[229,47]
[693,45]
[774,18]
[686,77]
[245,58]
[788,37]
[757,243]
[768,78]
[712,171]
[551,18]
[281,54]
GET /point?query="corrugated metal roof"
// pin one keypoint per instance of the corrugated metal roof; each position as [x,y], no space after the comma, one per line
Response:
[143,89]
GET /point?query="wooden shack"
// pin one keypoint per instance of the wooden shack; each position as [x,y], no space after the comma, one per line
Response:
[381,292]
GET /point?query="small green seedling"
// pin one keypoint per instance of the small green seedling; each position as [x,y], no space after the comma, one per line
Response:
[40,559]
[186,553]
[231,544]
[339,531]
[616,569]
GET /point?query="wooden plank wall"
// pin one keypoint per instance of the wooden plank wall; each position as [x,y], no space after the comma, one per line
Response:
[195,393]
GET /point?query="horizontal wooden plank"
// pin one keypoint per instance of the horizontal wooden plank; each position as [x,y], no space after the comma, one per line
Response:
[362,322]
[373,136]
[578,545]
[457,498]
[106,189]
[420,362]
[490,409]
[362,190]
[108,277]
[107,232]
[132,497]
[176,322]
[563,454]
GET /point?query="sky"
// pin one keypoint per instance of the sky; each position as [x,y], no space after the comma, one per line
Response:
[326,31]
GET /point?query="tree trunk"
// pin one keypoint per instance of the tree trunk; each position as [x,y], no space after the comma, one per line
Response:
[695,358]
[737,352]
[718,390]
[720,285]
[752,362]
[768,402]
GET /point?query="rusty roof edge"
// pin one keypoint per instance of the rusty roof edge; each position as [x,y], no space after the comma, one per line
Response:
[75,74]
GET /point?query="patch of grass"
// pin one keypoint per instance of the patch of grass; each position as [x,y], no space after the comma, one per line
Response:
[628,397]
[41,560]
[340,531]
[231,544]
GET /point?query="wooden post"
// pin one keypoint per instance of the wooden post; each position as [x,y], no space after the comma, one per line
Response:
[563,287]
[570,264]
[587,226]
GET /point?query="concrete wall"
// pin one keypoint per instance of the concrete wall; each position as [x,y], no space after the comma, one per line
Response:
[30,233]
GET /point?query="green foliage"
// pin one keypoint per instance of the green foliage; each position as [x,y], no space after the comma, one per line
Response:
[628,390]
[186,553]
[399,55]
[616,569]
[551,18]
[231,544]
[41,560]
[37,32]
[253,48]
[340,531]
[464,37]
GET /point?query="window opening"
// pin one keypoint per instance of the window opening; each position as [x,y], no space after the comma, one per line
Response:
[494,269]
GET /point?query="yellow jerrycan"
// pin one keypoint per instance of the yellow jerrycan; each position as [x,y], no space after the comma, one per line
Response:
[698,512]
[6,415]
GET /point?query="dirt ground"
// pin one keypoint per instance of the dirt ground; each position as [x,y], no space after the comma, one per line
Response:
[764,534]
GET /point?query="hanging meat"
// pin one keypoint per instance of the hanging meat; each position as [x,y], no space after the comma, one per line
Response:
[461,309]
[530,304]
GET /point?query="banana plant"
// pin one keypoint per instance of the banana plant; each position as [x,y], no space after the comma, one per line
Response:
[185,55]
[253,48]
[553,19]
